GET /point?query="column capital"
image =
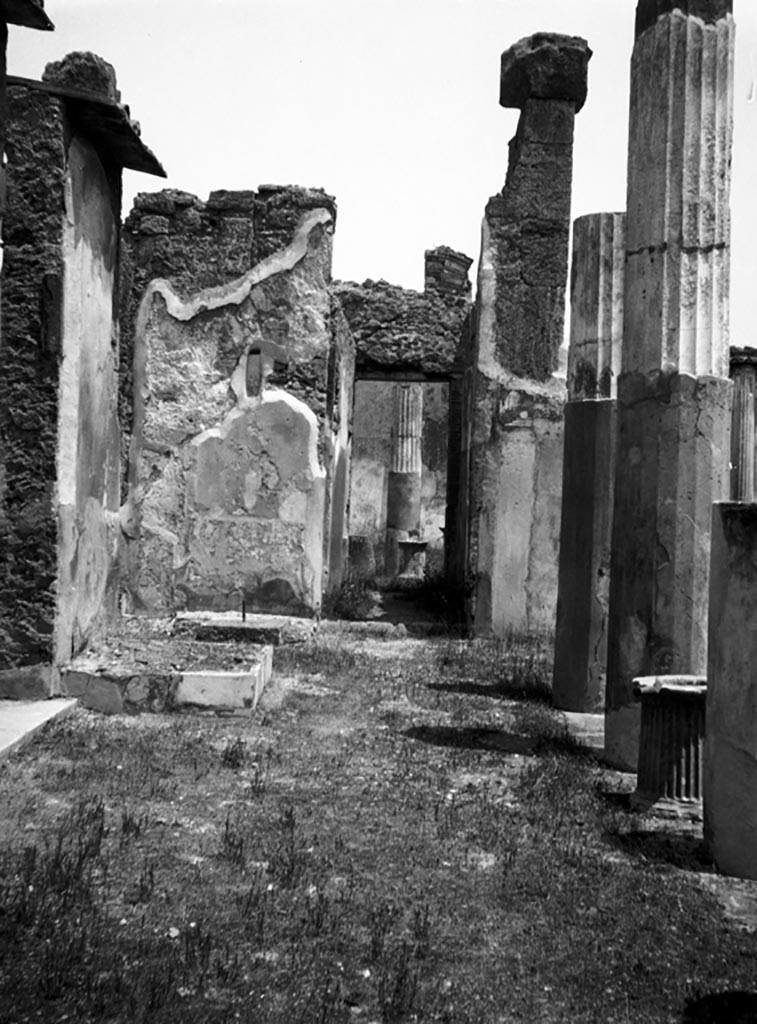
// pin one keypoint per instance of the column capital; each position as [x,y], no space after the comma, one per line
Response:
[710,11]
[545,66]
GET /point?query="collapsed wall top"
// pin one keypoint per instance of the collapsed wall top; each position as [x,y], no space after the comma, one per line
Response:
[87,83]
[28,13]
[545,66]
[710,11]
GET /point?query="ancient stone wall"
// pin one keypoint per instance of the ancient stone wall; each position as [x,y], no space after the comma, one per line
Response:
[59,436]
[398,330]
[237,386]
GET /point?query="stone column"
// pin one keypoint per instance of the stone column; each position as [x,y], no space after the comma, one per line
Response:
[596,334]
[403,498]
[744,377]
[517,403]
[730,747]
[674,396]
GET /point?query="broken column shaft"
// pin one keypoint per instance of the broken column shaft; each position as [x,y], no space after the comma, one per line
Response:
[517,404]
[674,395]
[403,498]
[596,334]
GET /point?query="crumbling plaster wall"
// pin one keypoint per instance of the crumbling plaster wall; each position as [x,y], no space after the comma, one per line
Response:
[58,385]
[88,437]
[239,397]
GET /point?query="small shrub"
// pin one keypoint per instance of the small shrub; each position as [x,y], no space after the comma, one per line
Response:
[353,600]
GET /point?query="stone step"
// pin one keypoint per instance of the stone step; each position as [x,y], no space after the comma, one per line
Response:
[127,675]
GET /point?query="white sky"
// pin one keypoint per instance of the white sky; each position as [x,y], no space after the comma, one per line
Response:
[390,105]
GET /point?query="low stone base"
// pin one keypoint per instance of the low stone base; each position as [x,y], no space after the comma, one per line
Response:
[226,690]
[132,680]
[670,745]
[223,627]
[31,682]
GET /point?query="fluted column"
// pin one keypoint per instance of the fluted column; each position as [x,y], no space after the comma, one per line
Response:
[596,335]
[744,377]
[674,396]
[403,500]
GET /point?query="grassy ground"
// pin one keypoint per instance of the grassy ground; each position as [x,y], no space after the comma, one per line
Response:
[403,832]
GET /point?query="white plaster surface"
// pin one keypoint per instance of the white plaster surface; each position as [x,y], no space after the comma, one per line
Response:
[232,690]
[21,720]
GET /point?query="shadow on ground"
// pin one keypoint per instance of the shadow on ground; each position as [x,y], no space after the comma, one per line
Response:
[471,739]
[676,848]
[722,1008]
[498,691]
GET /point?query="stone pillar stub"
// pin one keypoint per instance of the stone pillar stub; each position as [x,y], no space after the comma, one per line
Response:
[743,453]
[730,748]
[516,402]
[588,481]
[674,395]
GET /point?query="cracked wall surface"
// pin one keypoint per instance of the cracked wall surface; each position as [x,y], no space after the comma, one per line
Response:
[239,401]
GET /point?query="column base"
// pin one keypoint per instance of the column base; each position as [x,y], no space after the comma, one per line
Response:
[670,745]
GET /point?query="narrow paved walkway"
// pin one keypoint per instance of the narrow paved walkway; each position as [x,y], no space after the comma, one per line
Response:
[22,719]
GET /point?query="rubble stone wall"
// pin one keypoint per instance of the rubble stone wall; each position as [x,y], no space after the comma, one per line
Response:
[29,355]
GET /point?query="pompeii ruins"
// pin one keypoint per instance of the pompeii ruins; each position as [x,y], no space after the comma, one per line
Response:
[195,418]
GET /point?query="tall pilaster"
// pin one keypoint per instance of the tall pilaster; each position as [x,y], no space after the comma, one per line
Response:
[674,396]
[596,335]
[744,377]
[516,401]
[403,499]
[730,746]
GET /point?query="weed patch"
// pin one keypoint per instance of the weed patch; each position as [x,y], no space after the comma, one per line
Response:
[411,836]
